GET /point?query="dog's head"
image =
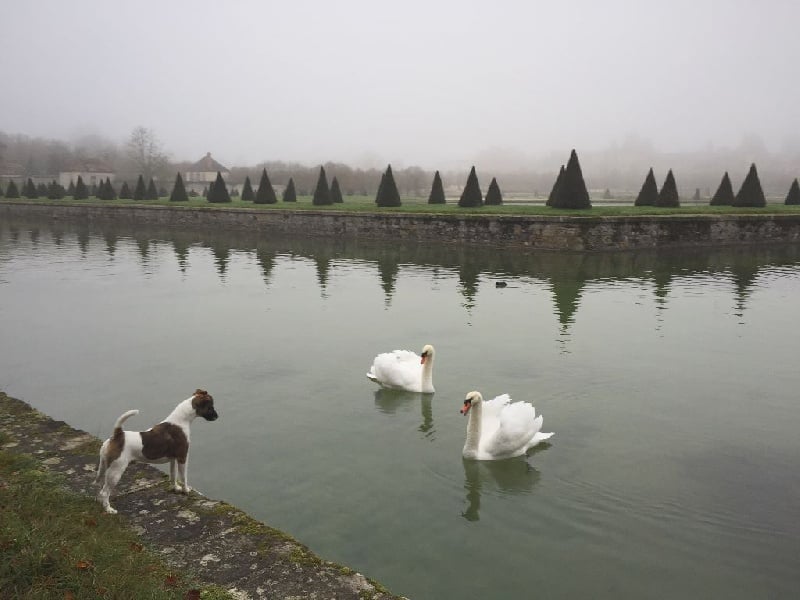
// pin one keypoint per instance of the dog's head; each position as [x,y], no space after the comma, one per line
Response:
[203,405]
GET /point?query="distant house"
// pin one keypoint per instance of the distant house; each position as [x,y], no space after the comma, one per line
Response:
[92,172]
[203,172]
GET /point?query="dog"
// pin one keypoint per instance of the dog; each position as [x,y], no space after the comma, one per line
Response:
[166,442]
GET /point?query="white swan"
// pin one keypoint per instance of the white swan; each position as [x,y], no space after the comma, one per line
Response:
[499,428]
[404,370]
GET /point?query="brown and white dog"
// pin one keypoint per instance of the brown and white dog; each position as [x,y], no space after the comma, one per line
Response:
[166,442]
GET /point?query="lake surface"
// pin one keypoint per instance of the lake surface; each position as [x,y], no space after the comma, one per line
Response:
[669,379]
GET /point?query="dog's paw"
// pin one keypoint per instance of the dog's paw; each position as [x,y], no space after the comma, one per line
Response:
[186,489]
[111,511]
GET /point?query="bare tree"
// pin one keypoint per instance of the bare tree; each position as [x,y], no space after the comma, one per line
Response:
[145,152]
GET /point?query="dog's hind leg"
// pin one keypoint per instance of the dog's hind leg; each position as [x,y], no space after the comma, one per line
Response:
[113,474]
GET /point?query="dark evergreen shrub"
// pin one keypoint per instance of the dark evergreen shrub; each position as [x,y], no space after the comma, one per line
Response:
[93,190]
[125,191]
[289,194]
[218,191]
[556,187]
[140,191]
[81,191]
[178,190]
[29,190]
[336,192]
[387,192]
[793,197]
[648,195]
[71,188]
[724,194]
[437,190]
[380,188]
[247,191]
[12,191]
[55,191]
[572,191]
[493,195]
[472,195]
[41,189]
[152,191]
[750,194]
[111,193]
[322,193]
[100,190]
[668,196]
[266,193]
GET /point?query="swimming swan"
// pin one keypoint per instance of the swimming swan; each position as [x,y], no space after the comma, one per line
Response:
[499,428]
[404,370]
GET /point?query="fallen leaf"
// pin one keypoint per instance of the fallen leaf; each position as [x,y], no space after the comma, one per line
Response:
[136,547]
[69,596]
[84,564]
[192,595]
[90,522]
[171,581]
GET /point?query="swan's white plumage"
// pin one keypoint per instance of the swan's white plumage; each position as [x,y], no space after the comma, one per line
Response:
[403,370]
[499,428]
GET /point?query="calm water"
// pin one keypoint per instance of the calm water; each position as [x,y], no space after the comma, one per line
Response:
[669,379]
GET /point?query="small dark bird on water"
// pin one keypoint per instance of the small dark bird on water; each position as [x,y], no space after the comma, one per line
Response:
[500,284]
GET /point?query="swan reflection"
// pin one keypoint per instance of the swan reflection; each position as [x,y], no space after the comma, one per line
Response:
[497,477]
[388,401]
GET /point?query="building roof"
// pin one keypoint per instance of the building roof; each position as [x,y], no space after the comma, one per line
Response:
[207,164]
[90,165]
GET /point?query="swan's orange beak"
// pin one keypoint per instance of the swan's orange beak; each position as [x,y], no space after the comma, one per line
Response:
[465,409]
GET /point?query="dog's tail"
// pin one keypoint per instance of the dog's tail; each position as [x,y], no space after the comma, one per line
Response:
[124,417]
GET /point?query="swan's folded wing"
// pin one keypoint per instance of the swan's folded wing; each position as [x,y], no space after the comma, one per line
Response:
[518,424]
[399,369]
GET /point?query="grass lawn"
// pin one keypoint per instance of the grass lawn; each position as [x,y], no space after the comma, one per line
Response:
[56,544]
[366,204]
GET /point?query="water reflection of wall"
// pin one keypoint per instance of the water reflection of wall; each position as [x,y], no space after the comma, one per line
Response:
[566,274]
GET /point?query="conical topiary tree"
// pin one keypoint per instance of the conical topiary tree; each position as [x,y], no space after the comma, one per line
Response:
[12,191]
[437,190]
[336,192]
[289,194]
[218,191]
[387,190]
[71,188]
[668,196]
[29,190]
[793,197]
[125,191]
[648,195]
[81,191]
[247,191]
[493,195]
[152,190]
[380,188]
[572,192]
[265,193]
[724,194]
[322,193]
[750,194]
[100,190]
[178,193]
[556,186]
[55,191]
[140,191]
[471,196]
[111,193]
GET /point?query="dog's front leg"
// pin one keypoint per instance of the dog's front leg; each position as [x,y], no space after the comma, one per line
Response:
[182,471]
[173,476]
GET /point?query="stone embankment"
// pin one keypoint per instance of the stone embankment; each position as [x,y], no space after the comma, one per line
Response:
[217,542]
[571,233]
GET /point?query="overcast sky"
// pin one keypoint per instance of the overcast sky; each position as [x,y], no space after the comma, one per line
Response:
[427,83]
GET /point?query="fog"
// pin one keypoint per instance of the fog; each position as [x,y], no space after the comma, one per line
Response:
[436,84]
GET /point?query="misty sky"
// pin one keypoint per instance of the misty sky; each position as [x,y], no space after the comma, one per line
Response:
[429,82]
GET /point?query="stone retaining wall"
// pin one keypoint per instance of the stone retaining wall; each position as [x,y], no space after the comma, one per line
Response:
[574,233]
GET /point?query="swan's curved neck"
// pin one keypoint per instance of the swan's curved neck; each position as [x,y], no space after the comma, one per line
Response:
[427,375]
[473,431]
